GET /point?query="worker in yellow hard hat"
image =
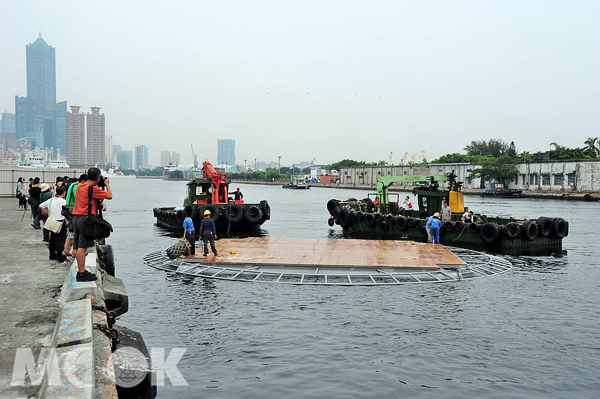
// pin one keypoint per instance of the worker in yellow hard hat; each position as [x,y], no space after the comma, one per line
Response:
[208,233]
[435,224]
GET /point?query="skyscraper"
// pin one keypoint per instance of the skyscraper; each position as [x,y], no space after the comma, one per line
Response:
[96,153]
[226,153]
[39,118]
[8,130]
[175,158]
[165,158]
[141,157]
[125,159]
[76,137]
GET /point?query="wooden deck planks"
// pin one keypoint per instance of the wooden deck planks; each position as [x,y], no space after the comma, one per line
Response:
[326,252]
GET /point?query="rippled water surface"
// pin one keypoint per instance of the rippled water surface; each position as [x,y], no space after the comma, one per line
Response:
[533,332]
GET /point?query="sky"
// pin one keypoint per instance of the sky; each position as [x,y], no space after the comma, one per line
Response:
[318,79]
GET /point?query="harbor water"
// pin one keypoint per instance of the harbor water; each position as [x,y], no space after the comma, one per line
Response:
[533,332]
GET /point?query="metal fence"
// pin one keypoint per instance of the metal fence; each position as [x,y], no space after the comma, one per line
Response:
[10,174]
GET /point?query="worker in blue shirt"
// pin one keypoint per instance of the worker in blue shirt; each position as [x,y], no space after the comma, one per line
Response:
[208,233]
[435,224]
[188,230]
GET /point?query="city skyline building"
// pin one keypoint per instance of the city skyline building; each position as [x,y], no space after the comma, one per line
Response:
[110,153]
[38,117]
[141,157]
[95,138]
[175,158]
[226,152]
[8,136]
[165,158]
[125,159]
[76,155]
[116,148]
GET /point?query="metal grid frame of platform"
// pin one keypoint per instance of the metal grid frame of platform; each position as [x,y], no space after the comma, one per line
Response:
[478,264]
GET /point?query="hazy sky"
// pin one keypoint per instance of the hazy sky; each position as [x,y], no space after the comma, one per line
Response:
[324,79]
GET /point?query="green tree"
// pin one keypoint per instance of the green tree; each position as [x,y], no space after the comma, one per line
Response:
[493,147]
[501,169]
[591,145]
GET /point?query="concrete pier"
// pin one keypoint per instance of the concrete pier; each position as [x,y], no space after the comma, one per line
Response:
[56,334]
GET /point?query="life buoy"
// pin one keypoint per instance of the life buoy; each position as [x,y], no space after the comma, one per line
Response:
[370,219]
[402,223]
[384,226]
[214,212]
[459,226]
[489,233]
[234,213]
[448,226]
[559,228]
[360,216]
[330,222]
[253,214]
[331,205]
[418,223]
[529,230]
[544,226]
[474,227]
[378,217]
[266,209]
[512,230]
[410,222]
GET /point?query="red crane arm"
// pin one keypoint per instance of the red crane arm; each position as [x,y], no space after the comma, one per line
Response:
[219,188]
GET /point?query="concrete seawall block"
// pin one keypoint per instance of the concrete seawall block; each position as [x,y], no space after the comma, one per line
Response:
[72,290]
[115,295]
[76,368]
[75,324]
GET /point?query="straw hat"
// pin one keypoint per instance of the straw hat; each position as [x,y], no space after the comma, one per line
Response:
[45,186]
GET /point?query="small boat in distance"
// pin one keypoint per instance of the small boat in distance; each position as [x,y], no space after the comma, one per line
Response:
[297,182]
[172,173]
[499,190]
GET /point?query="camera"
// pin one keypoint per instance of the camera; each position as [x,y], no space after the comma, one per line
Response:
[101,183]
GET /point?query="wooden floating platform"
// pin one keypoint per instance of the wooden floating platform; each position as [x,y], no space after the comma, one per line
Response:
[261,251]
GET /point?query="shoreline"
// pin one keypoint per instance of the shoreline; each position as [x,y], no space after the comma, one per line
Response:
[586,196]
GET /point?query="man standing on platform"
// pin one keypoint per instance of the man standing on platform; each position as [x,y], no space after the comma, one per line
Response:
[81,242]
[238,195]
[208,233]
[446,212]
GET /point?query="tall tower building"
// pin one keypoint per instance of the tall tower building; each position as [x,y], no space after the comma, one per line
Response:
[141,157]
[175,158]
[39,118]
[75,124]
[165,158]
[124,159]
[226,153]
[108,148]
[96,140]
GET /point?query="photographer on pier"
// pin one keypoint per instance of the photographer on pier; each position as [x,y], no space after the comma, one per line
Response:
[82,242]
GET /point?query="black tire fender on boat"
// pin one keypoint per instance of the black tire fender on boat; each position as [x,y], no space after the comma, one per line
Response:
[402,223]
[179,216]
[474,227]
[423,231]
[529,230]
[330,222]
[385,226]
[489,233]
[448,226]
[410,222]
[360,216]
[418,223]
[106,255]
[266,209]
[156,210]
[567,231]
[370,219]
[512,230]
[459,226]
[345,218]
[559,228]
[214,212]
[391,219]
[378,217]
[369,205]
[234,213]
[331,205]
[253,214]
[544,226]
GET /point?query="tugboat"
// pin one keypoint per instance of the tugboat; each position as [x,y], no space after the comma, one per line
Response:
[298,183]
[379,217]
[211,192]
[499,190]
